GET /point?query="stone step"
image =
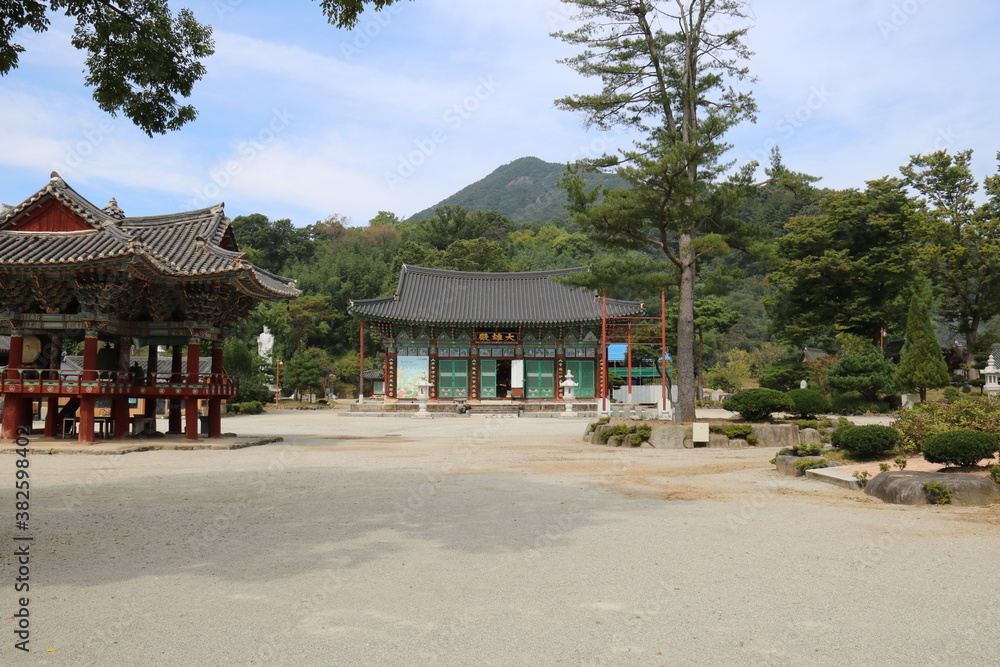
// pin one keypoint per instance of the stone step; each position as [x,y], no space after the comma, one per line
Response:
[833,476]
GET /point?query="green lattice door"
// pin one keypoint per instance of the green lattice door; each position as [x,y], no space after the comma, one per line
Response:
[488,378]
[583,375]
[453,378]
[539,378]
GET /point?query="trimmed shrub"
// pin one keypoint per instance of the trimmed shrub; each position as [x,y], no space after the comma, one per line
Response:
[782,376]
[732,430]
[838,434]
[868,440]
[600,422]
[960,448]
[853,403]
[808,402]
[757,404]
[644,431]
[233,408]
[918,423]
[251,408]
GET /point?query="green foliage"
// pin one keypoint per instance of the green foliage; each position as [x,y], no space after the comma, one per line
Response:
[806,423]
[734,374]
[732,431]
[757,404]
[951,394]
[247,408]
[868,440]
[900,463]
[995,474]
[836,438]
[308,371]
[963,447]
[922,421]
[862,477]
[960,240]
[803,449]
[240,358]
[853,403]
[883,467]
[783,376]
[938,493]
[862,244]
[921,364]
[811,464]
[600,422]
[808,403]
[865,371]
[272,245]
[644,431]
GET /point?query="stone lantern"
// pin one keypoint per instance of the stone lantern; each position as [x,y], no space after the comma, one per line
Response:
[423,392]
[568,385]
[992,375]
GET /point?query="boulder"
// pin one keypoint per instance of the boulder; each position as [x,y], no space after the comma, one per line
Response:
[669,436]
[903,487]
[810,436]
[776,435]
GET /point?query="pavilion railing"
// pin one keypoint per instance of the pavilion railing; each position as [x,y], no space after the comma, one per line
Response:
[134,383]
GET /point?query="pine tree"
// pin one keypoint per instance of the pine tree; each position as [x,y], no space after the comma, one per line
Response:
[921,364]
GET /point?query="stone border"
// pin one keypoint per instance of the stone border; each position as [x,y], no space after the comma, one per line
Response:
[146,446]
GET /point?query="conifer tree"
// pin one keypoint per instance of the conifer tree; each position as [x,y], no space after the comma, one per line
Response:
[921,364]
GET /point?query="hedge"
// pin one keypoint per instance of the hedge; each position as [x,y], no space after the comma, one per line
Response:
[960,448]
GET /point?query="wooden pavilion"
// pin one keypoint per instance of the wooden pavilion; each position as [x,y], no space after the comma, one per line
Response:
[72,271]
[490,337]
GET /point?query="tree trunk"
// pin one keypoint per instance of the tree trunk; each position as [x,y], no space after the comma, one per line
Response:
[685,331]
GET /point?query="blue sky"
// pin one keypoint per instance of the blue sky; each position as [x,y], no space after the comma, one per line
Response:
[301,120]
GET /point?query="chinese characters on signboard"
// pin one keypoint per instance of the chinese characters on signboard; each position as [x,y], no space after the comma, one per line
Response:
[496,337]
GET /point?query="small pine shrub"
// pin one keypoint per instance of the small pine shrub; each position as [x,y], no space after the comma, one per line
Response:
[644,431]
[900,463]
[869,440]
[753,440]
[757,404]
[252,408]
[635,439]
[806,423]
[862,477]
[233,408]
[810,464]
[938,493]
[995,474]
[600,422]
[963,447]
[808,402]
[951,394]
[806,450]
[966,389]
[883,467]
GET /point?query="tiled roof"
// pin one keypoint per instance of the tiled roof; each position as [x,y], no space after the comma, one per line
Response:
[180,245]
[464,297]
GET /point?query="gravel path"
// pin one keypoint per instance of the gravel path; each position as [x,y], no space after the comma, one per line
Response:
[486,541]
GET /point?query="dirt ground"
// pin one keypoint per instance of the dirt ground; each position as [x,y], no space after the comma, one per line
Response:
[492,541]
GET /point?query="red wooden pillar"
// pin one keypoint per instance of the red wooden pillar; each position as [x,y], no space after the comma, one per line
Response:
[361,369]
[176,365]
[191,402]
[215,403]
[14,406]
[88,398]
[149,402]
[119,404]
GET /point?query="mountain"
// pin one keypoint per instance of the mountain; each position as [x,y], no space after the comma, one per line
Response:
[524,190]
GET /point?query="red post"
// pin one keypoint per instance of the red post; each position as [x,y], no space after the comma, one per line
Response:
[215,403]
[663,347]
[361,370]
[54,360]
[604,353]
[85,433]
[191,402]
[14,407]
[119,404]
[628,351]
[149,402]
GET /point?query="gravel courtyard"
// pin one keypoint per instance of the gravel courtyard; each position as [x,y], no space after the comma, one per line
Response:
[483,541]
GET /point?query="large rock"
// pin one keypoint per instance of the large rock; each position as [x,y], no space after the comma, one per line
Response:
[669,436]
[776,435]
[810,436]
[904,487]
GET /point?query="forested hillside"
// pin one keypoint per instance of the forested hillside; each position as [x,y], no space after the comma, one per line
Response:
[524,190]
